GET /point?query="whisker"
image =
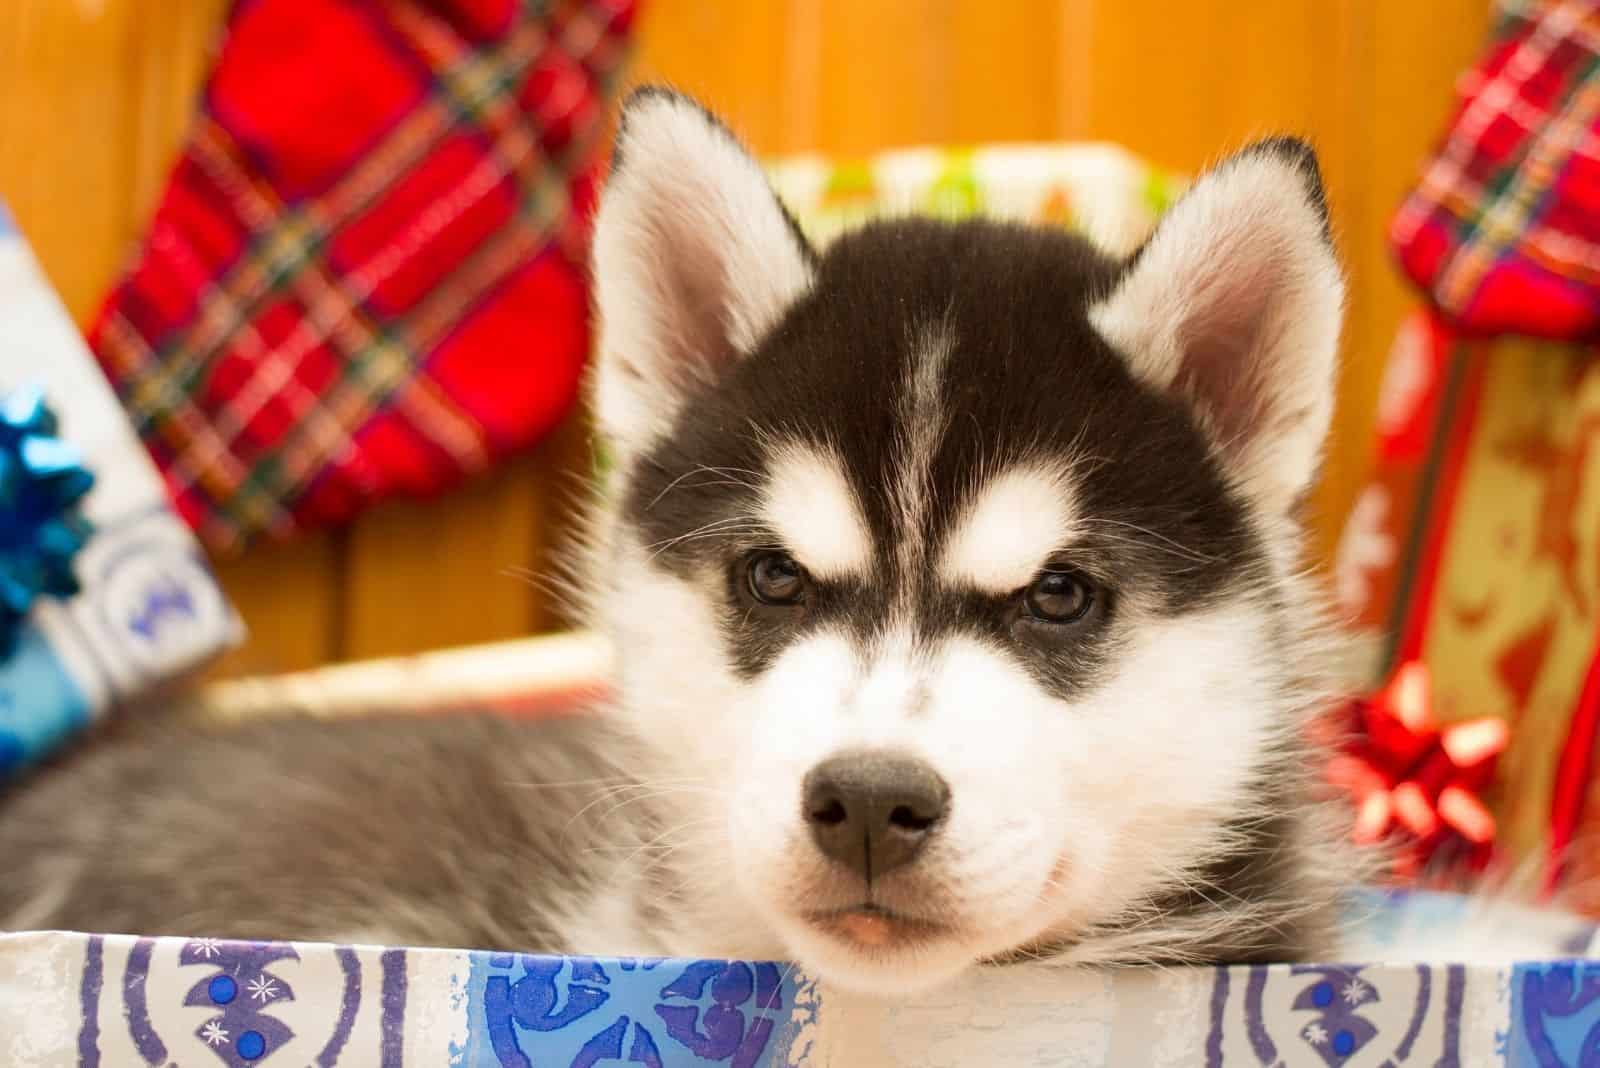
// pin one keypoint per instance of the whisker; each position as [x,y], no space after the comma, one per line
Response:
[703,470]
[1175,547]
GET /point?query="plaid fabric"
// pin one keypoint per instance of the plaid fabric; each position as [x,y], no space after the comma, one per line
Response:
[365,275]
[1503,230]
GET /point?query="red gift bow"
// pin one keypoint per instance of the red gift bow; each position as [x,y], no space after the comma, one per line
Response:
[1410,776]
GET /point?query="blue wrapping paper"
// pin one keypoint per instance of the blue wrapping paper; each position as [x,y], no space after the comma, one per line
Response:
[74,999]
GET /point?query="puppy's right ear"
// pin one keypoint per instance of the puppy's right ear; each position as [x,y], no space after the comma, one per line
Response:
[695,259]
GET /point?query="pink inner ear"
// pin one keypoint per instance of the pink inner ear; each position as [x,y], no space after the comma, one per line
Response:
[693,306]
[1223,343]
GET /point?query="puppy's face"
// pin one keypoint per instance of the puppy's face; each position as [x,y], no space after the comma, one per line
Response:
[947,564]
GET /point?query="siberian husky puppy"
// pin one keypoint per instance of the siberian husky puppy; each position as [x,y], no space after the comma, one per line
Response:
[955,581]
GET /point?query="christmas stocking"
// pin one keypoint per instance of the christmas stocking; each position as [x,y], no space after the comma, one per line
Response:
[1503,230]
[364,277]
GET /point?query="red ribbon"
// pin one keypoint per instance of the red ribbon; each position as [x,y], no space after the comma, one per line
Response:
[1413,778]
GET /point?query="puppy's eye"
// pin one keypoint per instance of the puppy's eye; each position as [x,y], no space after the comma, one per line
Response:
[1058,597]
[775,578]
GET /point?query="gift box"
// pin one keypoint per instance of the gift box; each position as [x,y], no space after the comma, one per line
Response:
[1111,196]
[79,999]
[73,999]
[1475,551]
[147,607]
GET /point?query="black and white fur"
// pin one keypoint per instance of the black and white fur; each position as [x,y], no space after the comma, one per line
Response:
[920,422]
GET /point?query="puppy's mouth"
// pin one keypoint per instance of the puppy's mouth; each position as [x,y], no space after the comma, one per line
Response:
[872,926]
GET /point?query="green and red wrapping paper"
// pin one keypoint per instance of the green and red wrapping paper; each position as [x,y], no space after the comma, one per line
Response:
[365,276]
[1488,571]
[1476,547]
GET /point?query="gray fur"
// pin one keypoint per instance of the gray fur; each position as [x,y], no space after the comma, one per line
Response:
[473,832]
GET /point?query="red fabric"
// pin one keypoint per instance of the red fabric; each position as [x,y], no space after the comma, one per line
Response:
[365,275]
[1437,522]
[1574,772]
[1371,562]
[1503,230]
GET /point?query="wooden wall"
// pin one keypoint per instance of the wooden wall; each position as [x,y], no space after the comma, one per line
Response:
[95,94]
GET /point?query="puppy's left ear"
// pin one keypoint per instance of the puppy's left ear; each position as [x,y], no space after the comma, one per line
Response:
[1234,304]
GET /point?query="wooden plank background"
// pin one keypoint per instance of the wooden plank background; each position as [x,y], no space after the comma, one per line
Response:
[95,96]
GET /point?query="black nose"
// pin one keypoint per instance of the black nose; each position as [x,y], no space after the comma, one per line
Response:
[873,812]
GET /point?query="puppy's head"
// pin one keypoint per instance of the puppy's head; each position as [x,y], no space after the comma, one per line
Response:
[952,563]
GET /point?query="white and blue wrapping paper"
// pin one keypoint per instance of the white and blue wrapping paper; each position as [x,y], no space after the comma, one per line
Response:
[95,1001]
[147,606]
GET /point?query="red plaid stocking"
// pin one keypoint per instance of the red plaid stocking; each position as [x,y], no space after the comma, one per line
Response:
[364,277]
[1503,230]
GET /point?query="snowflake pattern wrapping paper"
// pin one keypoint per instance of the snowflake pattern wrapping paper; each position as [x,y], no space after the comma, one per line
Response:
[147,607]
[113,1001]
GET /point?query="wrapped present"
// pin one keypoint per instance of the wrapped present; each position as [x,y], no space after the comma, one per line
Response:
[1111,196]
[1476,548]
[73,999]
[103,591]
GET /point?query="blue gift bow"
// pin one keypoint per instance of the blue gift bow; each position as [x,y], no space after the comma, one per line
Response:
[43,480]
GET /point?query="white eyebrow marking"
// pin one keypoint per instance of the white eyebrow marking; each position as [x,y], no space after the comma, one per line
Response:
[809,503]
[1008,531]
[921,420]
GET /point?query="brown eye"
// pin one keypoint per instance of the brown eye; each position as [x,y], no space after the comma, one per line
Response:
[776,579]
[1058,597]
